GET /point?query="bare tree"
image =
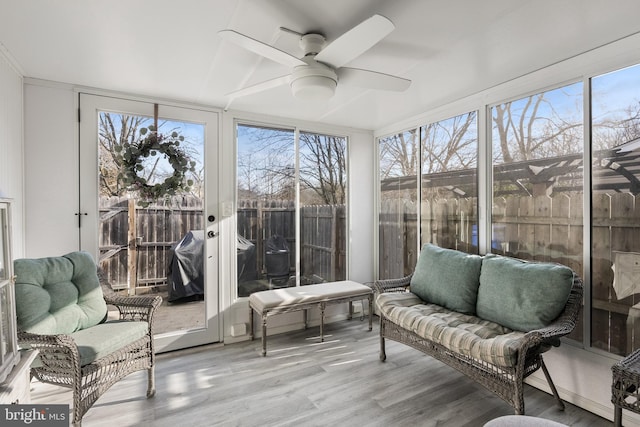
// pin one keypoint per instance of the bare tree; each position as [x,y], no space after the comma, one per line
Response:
[113,131]
[266,162]
[449,144]
[526,133]
[266,165]
[399,154]
[616,127]
[323,166]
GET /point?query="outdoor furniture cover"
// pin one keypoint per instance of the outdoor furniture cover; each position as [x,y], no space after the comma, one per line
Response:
[185,271]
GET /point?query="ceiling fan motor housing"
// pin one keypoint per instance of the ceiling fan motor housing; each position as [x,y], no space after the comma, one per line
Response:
[312,44]
[314,81]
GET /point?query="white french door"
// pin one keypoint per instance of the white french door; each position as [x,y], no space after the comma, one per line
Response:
[147,258]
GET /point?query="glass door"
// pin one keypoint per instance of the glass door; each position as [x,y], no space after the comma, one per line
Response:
[148,209]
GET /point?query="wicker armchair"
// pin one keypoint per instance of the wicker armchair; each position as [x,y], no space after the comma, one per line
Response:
[61,306]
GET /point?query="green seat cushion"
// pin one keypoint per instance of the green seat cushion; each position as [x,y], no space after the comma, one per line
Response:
[106,338]
[58,295]
[448,278]
[522,295]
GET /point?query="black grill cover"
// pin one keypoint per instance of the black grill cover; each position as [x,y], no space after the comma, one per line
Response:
[276,257]
[185,273]
[247,263]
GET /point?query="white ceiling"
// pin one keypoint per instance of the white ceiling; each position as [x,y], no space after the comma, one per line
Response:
[171,49]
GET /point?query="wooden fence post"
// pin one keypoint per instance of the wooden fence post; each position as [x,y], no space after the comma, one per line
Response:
[132,250]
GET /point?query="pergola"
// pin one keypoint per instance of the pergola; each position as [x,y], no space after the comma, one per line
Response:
[613,170]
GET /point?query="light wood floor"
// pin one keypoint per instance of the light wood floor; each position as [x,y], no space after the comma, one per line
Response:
[302,382]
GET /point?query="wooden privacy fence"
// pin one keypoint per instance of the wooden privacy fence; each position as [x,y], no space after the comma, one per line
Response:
[449,223]
[142,256]
[323,242]
[398,234]
[147,249]
[259,220]
[542,228]
[322,231]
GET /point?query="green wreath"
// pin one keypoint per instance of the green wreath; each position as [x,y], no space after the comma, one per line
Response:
[133,155]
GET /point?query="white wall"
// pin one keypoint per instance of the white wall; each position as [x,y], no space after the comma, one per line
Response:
[51,169]
[11,155]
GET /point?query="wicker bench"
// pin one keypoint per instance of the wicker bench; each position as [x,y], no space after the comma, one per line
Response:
[287,300]
[490,317]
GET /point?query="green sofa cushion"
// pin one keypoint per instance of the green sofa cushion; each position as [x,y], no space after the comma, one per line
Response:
[106,338]
[521,295]
[58,295]
[448,278]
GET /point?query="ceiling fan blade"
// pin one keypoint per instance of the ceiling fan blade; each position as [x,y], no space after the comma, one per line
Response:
[371,79]
[259,87]
[356,41]
[261,48]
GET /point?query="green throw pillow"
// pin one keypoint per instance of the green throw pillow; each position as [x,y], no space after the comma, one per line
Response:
[521,295]
[448,278]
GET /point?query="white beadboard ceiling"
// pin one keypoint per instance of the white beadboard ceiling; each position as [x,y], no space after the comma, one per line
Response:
[171,49]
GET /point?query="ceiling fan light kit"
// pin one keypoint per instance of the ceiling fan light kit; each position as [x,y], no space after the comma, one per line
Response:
[313,82]
[316,75]
[313,88]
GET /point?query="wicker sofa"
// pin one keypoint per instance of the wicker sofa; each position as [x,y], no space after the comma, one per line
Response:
[490,317]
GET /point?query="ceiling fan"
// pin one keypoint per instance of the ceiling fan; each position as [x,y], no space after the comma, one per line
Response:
[316,75]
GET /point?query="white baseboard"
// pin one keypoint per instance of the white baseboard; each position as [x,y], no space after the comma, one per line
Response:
[604,411]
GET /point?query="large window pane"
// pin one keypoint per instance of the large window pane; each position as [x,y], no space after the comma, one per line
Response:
[265,209]
[276,182]
[538,178]
[615,230]
[323,185]
[449,198]
[398,225]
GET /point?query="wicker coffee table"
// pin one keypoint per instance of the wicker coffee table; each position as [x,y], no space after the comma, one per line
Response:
[625,390]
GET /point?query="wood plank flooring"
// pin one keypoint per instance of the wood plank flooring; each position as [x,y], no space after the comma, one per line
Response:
[303,382]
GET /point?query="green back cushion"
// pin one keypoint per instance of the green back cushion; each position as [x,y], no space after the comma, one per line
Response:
[448,278]
[58,295]
[521,295]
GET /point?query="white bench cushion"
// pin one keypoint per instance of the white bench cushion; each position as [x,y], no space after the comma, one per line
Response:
[286,297]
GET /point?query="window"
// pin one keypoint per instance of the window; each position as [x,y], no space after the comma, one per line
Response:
[615,211]
[449,196]
[537,197]
[446,154]
[265,208]
[323,216]
[537,178]
[398,215]
[291,198]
